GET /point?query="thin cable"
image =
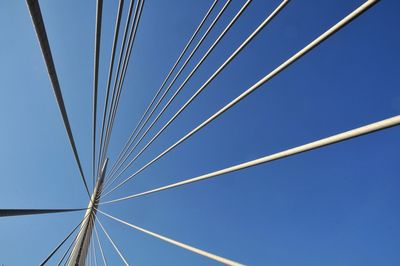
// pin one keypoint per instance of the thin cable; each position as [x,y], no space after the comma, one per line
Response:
[122,153]
[179,89]
[230,58]
[61,243]
[99,243]
[383,124]
[179,72]
[70,246]
[177,75]
[116,32]
[127,23]
[258,84]
[125,67]
[112,242]
[37,19]
[176,243]
[99,10]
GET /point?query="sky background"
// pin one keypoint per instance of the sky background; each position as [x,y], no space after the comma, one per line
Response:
[334,206]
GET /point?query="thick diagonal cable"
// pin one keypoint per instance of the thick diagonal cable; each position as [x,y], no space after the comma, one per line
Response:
[368,129]
[179,72]
[122,153]
[122,49]
[112,242]
[259,83]
[100,247]
[20,212]
[99,11]
[227,61]
[125,67]
[112,59]
[176,243]
[61,243]
[40,29]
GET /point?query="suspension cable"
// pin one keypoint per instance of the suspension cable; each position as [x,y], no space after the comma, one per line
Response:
[127,23]
[383,124]
[122,153]
[125,67]
[181,87]
[20,212]
[61,243]
[37,19]
[116,33]
[180,71]
[99,10]
[176,243]
[100,247]
[258,84]
[112,242]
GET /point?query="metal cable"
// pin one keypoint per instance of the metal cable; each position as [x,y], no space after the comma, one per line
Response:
[37,19]
[122,153]
[70,246]
[125,67]
[179,72]
[116,33]
[100,247]
[99,10]
[383,124]
[20,212]
[61,243]
[112,242]
[230,58]
[258,84]
[177,243]
[177,92]
[130,11]
[94,251]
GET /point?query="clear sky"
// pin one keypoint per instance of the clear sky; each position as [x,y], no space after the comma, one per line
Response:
[334,206]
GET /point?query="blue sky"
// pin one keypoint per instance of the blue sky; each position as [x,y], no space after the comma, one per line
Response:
[333,206]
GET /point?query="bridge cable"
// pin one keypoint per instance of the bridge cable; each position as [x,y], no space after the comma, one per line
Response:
[37,19]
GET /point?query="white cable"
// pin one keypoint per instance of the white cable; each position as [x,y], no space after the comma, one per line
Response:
[390,122]
[99,243]
[230,24]
[258,84]
[122,153]
[112,242]
[176,77]
[176,243]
